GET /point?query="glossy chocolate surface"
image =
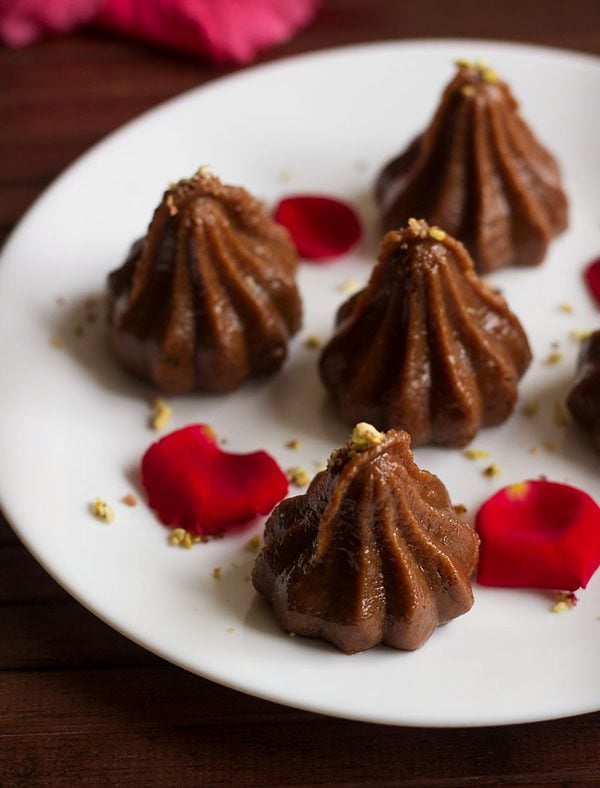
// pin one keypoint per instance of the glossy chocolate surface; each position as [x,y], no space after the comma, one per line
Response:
[208,297]
[426,346]
[371,553]
[479,172]
[584,398]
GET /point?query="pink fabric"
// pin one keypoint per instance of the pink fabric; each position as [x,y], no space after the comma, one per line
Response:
[23,22]
[223,30]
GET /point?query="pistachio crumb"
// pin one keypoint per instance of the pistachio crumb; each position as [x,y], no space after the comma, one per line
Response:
[419,228]
[468,91]
[566,308]
[349,286]
[476,454]
[531,407]
[518,491]
[161,414]
[129,500]
[437,234]
[550,447]
[187,541]
[580,334]
[534,450]
[217,573]
[313,342]
[170,203]
[231,630]
[176,536]
[251,282]
[489,75]
[102,511]
[365,435]
[553,357]
[253,543]
[462,63]
[561,415]
[491,471]
[459,509]
[298,476]
[563,601]
[203,172]
[57,341]
[295,443]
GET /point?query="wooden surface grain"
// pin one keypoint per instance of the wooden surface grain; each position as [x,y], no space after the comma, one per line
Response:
[81,705]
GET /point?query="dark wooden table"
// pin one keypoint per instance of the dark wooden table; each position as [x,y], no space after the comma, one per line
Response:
[81,705]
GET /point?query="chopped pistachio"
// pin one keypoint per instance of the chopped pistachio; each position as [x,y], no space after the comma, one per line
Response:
[217,573]
[437,234]
[57,341]
[176,536]
[566,308]
[418,227]
[102,511]
[298,476]
[295,443]
[253,543]
[553,358]
[161,414]
[349,286]
[491,471]
[313,342]
[170,203]
[476,454]
[531,407]
[563,601]
[518,491]
[365,435]
[580,335]
[561,415]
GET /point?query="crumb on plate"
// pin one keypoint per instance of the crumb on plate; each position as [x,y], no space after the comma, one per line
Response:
[102,511]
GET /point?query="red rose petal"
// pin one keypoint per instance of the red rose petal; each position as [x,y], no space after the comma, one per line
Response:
[193,484]
[321,227]
[592,278]
[538,534]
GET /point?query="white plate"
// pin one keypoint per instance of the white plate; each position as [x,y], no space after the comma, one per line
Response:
[73,426]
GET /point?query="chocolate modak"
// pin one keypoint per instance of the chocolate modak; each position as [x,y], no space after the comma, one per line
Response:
[426,346]
[371,553]
[479,172]
[584,398]
[209,296]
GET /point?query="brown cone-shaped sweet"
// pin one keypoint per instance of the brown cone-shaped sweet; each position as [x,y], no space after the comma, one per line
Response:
[479,172]
[426,346]
[584,398]
[372,552]
[208,297]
